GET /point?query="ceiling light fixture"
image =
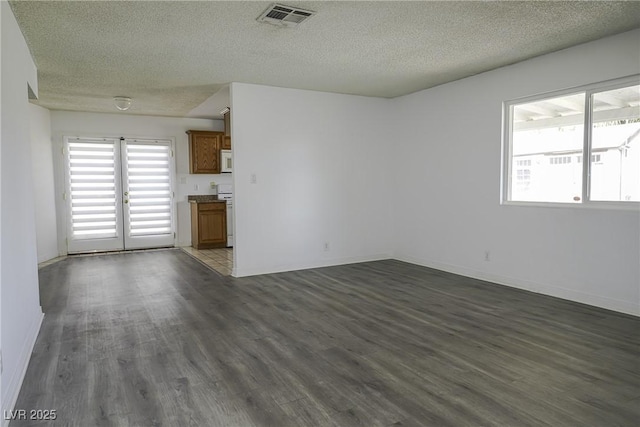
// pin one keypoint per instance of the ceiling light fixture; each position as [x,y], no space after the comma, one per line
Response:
[122,102]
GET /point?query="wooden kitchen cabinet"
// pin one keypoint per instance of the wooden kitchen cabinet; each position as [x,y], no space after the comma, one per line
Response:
[209,225]
[226,143]
[204,151]
[227,123]
[226,139]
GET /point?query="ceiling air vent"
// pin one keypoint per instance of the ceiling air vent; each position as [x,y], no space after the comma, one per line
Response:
[282,15]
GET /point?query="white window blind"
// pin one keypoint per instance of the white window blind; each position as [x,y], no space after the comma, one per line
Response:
[93,184]
[148,188]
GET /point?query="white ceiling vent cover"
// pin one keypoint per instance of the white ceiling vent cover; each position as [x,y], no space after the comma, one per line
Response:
[282,15]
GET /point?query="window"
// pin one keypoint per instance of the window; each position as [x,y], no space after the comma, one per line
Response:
[523,177]
[560,160]
[547,137]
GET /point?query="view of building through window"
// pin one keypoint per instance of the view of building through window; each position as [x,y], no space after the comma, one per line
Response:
[547,144]
[547,139]
[615,169]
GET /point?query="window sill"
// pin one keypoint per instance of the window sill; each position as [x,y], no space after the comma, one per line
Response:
[617,206]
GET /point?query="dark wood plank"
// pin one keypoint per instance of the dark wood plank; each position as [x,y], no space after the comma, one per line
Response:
[156,339]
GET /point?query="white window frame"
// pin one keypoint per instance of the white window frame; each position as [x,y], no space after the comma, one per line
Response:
[507,146]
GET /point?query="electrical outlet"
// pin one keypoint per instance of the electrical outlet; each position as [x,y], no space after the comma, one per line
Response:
[487,255]
[253,179]
[326,246]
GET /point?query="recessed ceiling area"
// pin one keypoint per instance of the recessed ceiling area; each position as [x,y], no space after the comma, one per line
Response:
[171,56]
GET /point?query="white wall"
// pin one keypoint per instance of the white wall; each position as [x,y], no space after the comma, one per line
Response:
[21,313]
[320,162]
[66,123]
[449,213]
[43,188]
[2,400]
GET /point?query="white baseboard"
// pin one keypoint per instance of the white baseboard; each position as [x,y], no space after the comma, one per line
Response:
[15,382]
[48,255]
[244,272]
[625,307]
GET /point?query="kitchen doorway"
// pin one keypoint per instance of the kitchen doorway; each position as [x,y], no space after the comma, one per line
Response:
[119,194]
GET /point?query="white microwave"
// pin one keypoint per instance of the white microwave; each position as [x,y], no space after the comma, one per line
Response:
[226,165]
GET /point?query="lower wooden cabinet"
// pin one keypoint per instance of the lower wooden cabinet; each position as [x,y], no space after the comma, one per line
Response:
[209,225]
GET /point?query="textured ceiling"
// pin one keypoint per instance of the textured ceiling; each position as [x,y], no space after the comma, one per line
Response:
[171,56]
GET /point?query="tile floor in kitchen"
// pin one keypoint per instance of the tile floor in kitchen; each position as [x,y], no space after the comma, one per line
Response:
[220,260]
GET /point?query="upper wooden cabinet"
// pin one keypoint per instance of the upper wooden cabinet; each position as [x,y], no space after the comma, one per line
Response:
[204,151]
[226,143]
[227,123]
[226,140]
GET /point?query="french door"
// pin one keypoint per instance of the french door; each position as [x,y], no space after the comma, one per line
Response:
[119,194]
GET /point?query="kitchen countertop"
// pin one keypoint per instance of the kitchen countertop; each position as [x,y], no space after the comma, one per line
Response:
[204,198]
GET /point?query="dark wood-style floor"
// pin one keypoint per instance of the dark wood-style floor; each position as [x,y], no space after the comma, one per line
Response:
[157,339]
